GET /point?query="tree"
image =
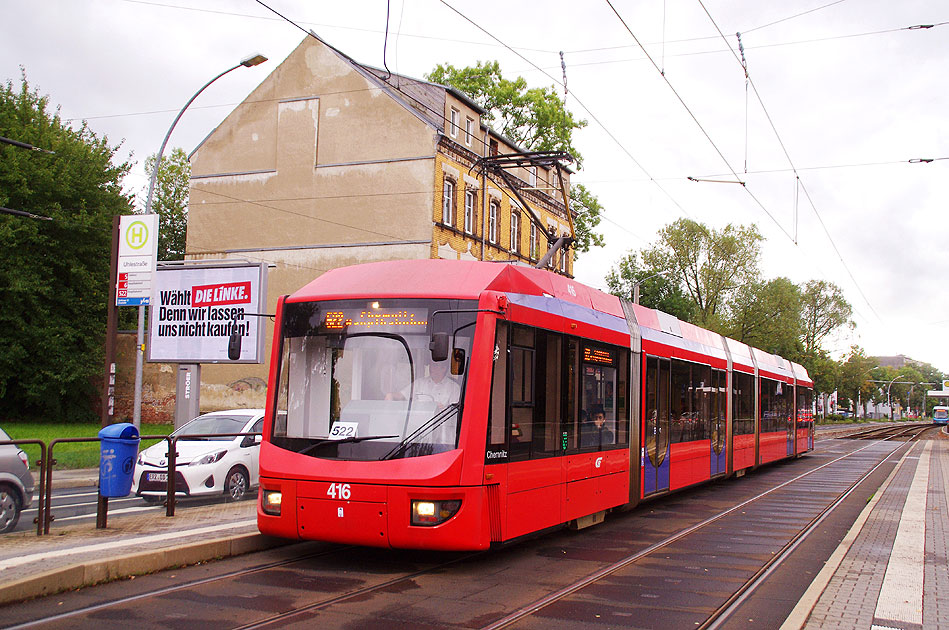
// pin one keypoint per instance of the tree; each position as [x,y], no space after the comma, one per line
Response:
[587,208]
[656,290]
[54,275]
[855,382]
[536,119]
[823,310]
[711,264]
[170,202]
[824,371]
[767,315]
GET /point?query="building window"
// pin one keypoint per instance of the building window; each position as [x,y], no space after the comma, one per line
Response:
[515,231]
[454,122]
[493,212]
[533,248]
[469,211]
[532,176]
[469,130]
[493,147]
[563,261]
[448,202]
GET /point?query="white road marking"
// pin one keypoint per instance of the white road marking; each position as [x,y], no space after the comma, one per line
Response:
[901,597]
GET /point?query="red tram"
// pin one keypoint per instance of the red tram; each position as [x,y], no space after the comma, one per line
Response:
[455,405]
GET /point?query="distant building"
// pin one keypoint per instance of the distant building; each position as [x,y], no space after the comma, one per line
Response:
[897,362]
[330,163]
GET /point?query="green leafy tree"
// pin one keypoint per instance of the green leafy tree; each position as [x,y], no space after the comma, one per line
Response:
[823,310]
[823,370]
[170,202]
[588,214]
[536,119]
[54,274]
[710,264]
[855,380]
[656,290]
[767,315]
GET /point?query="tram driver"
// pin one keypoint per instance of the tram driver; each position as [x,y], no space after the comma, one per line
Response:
[436,386]
[596,433]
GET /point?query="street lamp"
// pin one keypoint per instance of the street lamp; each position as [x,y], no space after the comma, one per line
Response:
[248,62]
[888,395]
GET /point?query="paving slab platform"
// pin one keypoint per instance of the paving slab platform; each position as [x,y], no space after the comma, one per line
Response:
[890,571]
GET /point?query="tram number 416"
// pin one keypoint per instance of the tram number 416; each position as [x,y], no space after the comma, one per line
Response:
[339,491]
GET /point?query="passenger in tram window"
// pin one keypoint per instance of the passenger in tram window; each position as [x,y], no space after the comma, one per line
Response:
[596,433]
[436,386]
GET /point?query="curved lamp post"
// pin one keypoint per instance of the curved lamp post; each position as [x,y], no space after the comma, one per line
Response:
[640,282]
[888,395]
[248,62]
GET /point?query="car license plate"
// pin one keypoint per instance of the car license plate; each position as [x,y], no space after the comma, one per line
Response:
[156,476]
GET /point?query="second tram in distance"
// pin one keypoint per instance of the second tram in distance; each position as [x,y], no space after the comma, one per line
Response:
[457,405]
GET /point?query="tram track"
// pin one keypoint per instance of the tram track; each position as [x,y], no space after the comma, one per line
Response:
[307,606]
[722,613]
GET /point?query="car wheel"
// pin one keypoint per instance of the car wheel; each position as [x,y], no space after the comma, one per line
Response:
[236,484]
[9,509]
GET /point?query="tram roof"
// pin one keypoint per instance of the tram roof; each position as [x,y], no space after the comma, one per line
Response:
[451,279]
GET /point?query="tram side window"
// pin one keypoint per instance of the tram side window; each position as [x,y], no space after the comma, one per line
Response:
[522,389]
[497,436]
[743,403]
[547,438]
[775,399]
[805,398]
[717,405]
[571,425]
[604,413]
[701,388]
[681,402]
[783,406]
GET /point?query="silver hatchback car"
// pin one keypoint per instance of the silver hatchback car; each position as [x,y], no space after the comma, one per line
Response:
[16,484]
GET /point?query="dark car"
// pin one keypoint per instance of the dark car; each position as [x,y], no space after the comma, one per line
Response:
[16,484]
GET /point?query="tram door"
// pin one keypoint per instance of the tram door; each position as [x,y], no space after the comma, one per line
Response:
[656,429]
[717,410]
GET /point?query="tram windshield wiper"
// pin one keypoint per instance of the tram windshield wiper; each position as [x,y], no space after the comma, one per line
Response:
[430,425]
[346,440]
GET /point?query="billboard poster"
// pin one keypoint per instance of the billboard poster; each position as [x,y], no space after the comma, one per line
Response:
[195,309]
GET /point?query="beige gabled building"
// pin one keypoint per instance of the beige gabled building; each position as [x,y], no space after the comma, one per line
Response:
[330,163]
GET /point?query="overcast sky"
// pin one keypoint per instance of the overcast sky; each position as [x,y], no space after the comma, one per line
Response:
[854,93]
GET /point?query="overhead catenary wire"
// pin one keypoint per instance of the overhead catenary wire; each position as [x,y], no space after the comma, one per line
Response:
[696,120]
[787,155]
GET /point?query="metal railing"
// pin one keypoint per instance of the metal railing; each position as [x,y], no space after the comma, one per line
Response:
[46,462]
[40,463]
[171,494]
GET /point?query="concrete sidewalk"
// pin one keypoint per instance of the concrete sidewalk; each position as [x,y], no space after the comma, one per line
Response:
[145,541]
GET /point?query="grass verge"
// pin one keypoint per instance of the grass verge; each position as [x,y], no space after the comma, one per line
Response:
[67,455]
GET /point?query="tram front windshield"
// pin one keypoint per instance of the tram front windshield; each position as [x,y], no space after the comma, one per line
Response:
[357,379]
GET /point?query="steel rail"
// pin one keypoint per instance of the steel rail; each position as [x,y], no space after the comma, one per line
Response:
[620,564]
[171,589]
[724,612]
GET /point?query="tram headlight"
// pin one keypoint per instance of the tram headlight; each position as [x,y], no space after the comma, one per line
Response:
[270,502]
[428,513]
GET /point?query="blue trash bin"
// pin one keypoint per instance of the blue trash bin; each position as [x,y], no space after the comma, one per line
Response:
[118,451]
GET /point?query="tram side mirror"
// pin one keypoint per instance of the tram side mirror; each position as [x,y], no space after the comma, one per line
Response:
[439,346]
[458,361]
[234,347]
